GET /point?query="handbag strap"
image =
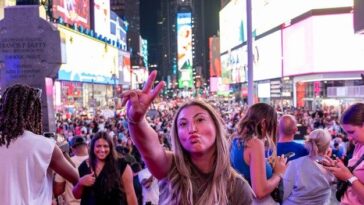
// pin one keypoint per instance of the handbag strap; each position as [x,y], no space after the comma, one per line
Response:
[356,164]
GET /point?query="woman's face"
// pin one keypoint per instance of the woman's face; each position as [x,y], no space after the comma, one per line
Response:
[102,149]
[196,130]
[355,133]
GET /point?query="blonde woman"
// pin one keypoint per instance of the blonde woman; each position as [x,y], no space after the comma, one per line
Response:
[198,170]
[306,181]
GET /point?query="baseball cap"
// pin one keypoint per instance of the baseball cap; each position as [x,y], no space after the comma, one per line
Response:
[77,140]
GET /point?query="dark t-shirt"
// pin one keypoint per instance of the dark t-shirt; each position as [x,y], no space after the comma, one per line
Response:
[96,195]
[285,147]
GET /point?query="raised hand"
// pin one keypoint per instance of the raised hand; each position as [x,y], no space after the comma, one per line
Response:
[88,179]
[138,101]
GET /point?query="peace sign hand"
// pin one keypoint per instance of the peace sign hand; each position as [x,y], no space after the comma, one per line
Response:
[138,101]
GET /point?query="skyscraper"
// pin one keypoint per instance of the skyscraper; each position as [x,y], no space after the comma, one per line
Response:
[129,11]
[202,28]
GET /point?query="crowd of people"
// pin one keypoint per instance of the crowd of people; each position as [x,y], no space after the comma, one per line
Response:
[196,151]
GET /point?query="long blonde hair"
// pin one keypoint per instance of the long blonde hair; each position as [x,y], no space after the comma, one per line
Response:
[178,183]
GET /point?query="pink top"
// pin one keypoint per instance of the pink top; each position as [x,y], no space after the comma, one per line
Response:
[351,197]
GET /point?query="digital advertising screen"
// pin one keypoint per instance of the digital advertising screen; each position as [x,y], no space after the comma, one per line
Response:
[124,65]
[73,12]
[232,20]
[321,44]
[267,54]
[102,17]
[184,50]
[87,59]
[234,67]
[214,55]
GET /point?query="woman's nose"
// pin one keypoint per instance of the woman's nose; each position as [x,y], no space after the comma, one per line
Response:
[192,127]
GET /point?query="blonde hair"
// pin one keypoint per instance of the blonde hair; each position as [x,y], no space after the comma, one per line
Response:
[179,186]
[317,142]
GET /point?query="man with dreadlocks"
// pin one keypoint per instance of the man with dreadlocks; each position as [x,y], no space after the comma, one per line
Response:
[27,157]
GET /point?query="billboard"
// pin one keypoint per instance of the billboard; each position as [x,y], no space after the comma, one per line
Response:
[234,67]
[267,53]
[73,12]
[214,56]
[184,50]
[124,66]
[87,59]
[269,14]
[232,20]
[102,17]
[320,44]
[143,48]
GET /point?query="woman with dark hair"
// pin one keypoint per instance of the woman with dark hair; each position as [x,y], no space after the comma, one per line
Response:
[256,138]
[26,154]
[105,179]
[352,121]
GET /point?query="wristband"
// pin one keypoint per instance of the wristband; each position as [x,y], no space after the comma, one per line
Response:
[352,179]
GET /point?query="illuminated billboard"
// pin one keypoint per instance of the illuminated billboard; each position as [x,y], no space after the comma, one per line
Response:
[124,66]
[234,66]
[214,56]
[320,44]
[267,54]
[102,17]
[184,50]
[73,12]
[269,14]
[87,59]
[232,20]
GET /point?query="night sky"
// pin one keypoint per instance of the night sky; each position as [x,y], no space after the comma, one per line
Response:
[148,19]
[149,16]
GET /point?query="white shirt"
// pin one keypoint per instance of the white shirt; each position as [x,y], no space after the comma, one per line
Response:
[24,175]
[68,196]
[152,193]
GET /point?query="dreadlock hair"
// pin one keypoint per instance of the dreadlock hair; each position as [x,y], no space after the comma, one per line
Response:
[20,109]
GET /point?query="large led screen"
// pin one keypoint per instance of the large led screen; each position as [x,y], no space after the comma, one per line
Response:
[232,25]
[267,53]
[234,66]
[102,17]
[73,11]
[184,50]
[214,57]
[269,14]
[87,60]
[320,44]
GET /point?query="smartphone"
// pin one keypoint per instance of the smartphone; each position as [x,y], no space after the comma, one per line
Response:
[289,155]
[320,161]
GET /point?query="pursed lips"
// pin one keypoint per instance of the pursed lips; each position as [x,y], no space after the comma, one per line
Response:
[193,138]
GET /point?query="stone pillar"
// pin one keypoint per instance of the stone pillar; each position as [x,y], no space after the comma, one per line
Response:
[30,53]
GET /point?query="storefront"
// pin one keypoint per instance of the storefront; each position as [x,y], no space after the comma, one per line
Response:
[90,73]
[323,56]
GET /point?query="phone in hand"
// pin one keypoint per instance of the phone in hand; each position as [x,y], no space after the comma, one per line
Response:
[320,161]
[289,155]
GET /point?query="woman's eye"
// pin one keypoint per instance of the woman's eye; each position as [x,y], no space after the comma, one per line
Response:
[200,119]
[182,124]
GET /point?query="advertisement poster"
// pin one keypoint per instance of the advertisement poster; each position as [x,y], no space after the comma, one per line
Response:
[184,52]
[74,12]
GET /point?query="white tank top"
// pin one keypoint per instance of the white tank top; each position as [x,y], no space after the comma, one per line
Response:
[24,174]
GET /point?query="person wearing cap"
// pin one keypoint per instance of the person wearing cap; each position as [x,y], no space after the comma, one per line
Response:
[63,187]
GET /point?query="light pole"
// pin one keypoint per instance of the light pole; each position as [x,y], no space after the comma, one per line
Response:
[113,77]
